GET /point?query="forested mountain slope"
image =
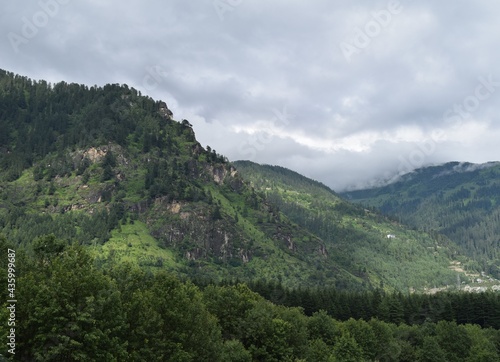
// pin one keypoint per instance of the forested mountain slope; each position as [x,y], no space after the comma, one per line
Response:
[109,168]
[367,244]
[460,200]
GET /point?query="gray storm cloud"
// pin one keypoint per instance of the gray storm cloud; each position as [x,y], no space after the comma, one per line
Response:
[370,89]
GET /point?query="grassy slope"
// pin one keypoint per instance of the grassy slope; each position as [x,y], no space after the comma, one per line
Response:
[133,244]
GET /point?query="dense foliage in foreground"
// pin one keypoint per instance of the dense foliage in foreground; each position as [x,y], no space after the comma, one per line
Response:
[70,310]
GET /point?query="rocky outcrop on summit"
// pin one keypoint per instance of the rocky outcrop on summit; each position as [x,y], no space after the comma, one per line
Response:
[165,111]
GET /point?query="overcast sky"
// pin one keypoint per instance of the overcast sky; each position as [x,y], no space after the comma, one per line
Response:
[345,92]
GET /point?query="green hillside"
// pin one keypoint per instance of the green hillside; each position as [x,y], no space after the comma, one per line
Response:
[366,244]
[460,200]
[111,169]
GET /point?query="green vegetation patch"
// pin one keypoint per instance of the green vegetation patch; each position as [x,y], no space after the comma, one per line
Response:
[132,243]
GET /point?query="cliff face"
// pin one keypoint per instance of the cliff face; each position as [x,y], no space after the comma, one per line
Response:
[164,111]
[214,231]
[190,229]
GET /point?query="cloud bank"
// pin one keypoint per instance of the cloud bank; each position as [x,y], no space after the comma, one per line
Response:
[346,93]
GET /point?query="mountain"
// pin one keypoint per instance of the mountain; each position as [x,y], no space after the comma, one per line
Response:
[459,200]
[104,197]
[365,243]
[109,168]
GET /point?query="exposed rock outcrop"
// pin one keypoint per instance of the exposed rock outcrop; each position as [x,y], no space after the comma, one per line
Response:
[164,111]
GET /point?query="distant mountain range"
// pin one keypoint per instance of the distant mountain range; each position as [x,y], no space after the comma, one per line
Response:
[459,200]
[111,169]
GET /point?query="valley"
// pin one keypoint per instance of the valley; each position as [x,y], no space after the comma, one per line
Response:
[135,242]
